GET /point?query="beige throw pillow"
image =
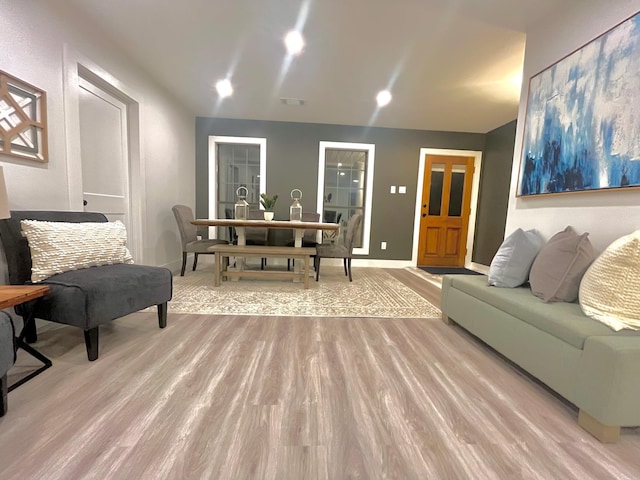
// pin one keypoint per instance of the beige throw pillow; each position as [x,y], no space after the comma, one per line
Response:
[557,270]
[609,288]
[58,247]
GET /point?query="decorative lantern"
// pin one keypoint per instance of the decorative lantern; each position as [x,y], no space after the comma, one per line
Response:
[241,208]
[295,210]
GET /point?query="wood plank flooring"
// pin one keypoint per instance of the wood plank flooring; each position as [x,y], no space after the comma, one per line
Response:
[241,397]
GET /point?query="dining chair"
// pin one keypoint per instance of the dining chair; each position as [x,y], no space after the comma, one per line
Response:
[256,235]
[189,236]
[344,251]
[309,238]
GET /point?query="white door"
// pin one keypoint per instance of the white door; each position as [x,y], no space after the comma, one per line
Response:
[104,152]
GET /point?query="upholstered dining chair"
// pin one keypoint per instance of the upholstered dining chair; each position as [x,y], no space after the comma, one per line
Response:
[309,238]
[256,235]
[189,236]
[344,251]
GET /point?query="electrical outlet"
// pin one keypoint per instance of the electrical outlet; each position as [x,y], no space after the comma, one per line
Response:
[383,245]
[402,189]
[392,190]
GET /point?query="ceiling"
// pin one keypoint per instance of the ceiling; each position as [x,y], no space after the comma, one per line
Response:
[451,65]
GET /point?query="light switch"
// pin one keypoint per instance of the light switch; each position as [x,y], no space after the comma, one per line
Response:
[402,189]
[393,189]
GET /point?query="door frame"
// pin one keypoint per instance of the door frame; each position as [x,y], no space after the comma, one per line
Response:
[475,188]
[77,65]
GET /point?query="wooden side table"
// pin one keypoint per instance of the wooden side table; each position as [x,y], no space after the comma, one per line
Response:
[12,295]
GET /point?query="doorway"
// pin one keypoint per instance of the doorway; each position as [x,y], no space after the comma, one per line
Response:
[89,92]
[104,152]
[447,195]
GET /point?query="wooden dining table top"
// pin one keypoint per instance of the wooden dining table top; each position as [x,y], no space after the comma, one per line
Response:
[233,222]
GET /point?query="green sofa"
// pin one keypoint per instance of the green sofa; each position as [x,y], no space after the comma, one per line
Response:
[595,368]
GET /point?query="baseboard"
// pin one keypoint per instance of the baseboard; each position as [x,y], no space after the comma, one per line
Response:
[478,267]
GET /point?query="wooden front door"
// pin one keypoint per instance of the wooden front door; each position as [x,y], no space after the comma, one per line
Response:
[445,207]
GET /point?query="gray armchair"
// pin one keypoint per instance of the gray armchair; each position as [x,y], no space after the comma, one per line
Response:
[88,297]
[344,251]
[189,236]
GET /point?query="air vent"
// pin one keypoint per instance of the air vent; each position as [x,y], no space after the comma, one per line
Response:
[296,102]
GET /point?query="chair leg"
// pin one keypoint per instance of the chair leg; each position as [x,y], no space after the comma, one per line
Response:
[4,391]
[288,264]
[184,263]
[317,266]
[263,263]
[91,341]
[344,262]
[349,266]
[30,331]
[195,261]
[162,315]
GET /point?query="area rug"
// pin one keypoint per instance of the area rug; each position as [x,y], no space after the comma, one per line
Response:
[373,293]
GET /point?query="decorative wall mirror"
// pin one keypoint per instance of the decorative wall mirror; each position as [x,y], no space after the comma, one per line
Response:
[23,119]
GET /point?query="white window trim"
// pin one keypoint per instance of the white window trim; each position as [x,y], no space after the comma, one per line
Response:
[213,169]
[368,201]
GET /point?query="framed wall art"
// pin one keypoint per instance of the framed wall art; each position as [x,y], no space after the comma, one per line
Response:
[23,119]
[582,122]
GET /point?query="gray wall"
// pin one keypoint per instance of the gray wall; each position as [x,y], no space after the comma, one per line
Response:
[292,162]
[493,198]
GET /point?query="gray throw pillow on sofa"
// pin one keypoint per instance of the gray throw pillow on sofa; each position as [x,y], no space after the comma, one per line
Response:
[511,264]
[558,269]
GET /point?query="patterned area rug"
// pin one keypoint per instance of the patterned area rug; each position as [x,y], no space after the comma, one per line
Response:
[373,293]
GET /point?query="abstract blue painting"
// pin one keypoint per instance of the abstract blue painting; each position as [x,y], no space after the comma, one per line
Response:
[582,123]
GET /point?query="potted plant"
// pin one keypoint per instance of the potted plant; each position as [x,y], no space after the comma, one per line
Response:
[268,203]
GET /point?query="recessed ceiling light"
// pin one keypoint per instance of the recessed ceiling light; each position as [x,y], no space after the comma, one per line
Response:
[383,98]
[224,88]
[294,42]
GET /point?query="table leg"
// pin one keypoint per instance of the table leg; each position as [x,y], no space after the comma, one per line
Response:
[29,326]
[298,234]
[240,262]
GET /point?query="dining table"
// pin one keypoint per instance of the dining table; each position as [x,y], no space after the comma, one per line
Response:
[298,228]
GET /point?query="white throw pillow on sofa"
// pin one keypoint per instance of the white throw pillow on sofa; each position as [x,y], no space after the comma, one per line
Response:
[609,288]
[511,264]
[58,247]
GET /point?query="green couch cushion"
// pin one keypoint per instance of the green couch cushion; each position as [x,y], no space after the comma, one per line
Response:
[562,320]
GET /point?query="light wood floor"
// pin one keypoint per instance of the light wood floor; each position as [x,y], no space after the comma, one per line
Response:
[234,397]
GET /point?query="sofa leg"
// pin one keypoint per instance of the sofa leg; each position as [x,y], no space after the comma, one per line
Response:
[4,391]
[195,261]
[604,433]
[446,319]
[91,341]
[162,315]
[184,263]
[317,265]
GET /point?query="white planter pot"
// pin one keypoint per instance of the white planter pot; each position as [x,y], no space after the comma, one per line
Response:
[268,216]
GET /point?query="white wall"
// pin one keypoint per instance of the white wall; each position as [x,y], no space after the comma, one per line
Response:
[605,215]
[35,35]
